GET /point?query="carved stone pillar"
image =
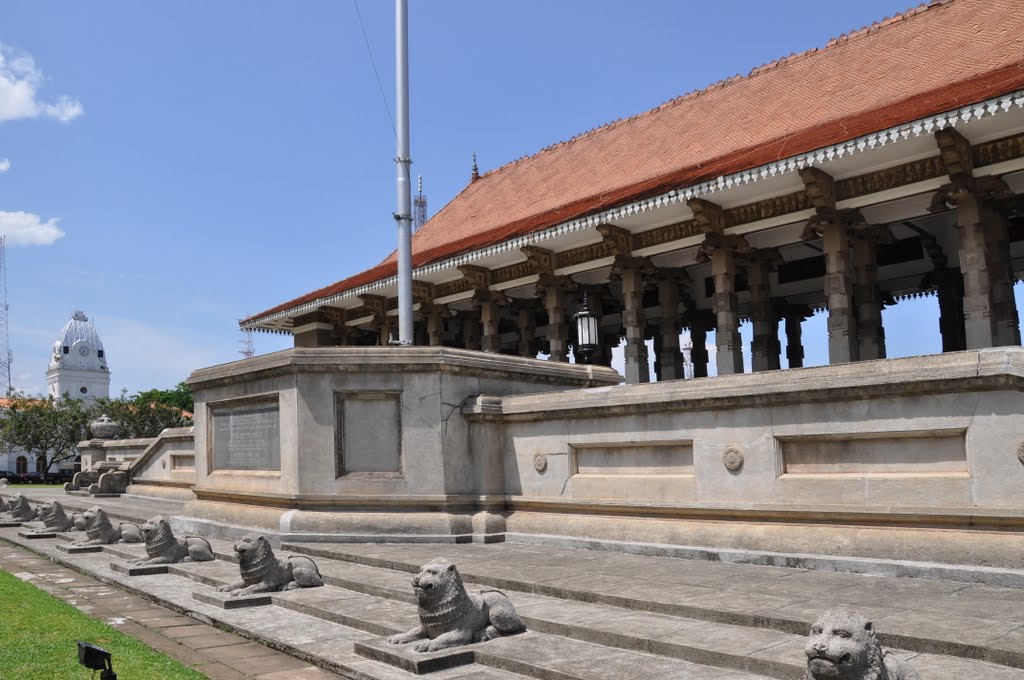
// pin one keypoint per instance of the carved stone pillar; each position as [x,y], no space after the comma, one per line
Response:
[470,330]
[631,273]
[870,332]
[764,347]
[949,288]
[669,357]
[527,323]
[727,319]
[435,324]
[990,313]
[699,341]
[794,316]
[490,340]
[553,289]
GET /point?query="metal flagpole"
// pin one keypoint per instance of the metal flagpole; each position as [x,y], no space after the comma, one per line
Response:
[402,162]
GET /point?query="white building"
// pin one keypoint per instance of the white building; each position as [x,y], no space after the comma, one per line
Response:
[78,366]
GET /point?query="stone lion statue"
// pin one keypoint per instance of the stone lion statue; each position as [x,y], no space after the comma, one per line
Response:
[18,510]
[450,616]
[164,548]
[843,646]
[56,520]
[263,572]
[100,531]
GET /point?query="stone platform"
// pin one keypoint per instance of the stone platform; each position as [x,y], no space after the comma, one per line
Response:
[591,615]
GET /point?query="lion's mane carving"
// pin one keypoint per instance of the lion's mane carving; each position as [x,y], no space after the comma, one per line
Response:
[842,646]
[19,510]
[100,531]
[264,572]
[163,547]
[55,519]
[450,616]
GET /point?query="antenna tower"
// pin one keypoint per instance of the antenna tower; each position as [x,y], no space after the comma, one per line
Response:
[419,206]
[248,348]
[5,346]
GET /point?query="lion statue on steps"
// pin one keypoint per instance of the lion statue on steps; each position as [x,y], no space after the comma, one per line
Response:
[164,548]
[450,616]
[19,510]
[55,520]
[843,646]
[263,572]
[100,531]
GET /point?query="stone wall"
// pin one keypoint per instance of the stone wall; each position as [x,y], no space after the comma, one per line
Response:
[167,468]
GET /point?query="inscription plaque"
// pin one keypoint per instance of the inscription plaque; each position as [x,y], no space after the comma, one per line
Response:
[247,438]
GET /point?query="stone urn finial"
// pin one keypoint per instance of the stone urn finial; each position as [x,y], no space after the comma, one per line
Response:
[104,428]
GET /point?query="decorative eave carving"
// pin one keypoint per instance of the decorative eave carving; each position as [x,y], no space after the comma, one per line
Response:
[618,240]
[709,216]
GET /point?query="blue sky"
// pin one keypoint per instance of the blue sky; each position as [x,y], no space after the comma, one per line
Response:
[172,167]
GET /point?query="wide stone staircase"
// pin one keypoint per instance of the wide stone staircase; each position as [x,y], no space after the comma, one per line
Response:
[590,615]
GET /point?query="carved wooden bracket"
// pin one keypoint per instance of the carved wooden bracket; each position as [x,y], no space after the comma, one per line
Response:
[619,240]
[624,263]
[540,260]
[984,188]
[709,216]
[815,226]
[478,278]
[955,151]
[820,188]
[548,281]
[422,292]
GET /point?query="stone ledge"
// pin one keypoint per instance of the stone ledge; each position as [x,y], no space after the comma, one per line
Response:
[33,533]
[227,601]
[402,656]
[138,570]
[79,549]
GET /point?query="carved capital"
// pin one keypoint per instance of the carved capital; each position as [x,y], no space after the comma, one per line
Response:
[709,216]
[625,264]
[375,304]
[422,292]
[731,242]
[547,282]
[815,226]
[983,188]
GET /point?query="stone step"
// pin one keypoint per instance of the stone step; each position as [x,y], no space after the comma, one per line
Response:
[909,614]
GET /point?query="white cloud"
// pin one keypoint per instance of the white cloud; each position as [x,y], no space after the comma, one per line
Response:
[20,79]
[28,229]
[5,165]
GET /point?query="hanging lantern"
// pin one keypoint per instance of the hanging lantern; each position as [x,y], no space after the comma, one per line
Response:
[586,331]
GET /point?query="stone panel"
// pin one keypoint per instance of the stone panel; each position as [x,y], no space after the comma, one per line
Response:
[246,436]
[936,452]
[368,439]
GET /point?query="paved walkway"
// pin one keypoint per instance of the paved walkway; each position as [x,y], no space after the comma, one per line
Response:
[212,652]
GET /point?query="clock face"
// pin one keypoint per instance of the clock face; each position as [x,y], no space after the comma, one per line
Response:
[83,350]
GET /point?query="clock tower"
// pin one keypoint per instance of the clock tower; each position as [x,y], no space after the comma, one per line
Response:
[78,366]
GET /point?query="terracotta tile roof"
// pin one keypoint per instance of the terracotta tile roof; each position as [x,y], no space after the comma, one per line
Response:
[925,61]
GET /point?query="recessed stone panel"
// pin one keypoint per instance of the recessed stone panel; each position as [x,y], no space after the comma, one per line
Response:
[659,471]
[246,436]
[368,435]
[936,452]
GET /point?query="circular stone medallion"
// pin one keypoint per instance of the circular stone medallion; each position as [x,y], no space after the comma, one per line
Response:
[732,459]
[540,462]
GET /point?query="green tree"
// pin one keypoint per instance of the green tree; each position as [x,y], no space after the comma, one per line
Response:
[140,415]
[179,397]
[44,428]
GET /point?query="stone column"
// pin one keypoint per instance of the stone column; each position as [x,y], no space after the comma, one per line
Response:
[470,330]
[699,339]
[990,315]
[870,333]
[764,347]
[637,370]
[727,320]
[435,325]
[842,324]
[490,340]
[794,343]
[527,319]
[670,359]
[949,288]
[558,325]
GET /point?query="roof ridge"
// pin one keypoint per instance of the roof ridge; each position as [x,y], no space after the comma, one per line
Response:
[757,70]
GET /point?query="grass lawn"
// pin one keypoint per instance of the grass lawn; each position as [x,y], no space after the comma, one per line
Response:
[38,634]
